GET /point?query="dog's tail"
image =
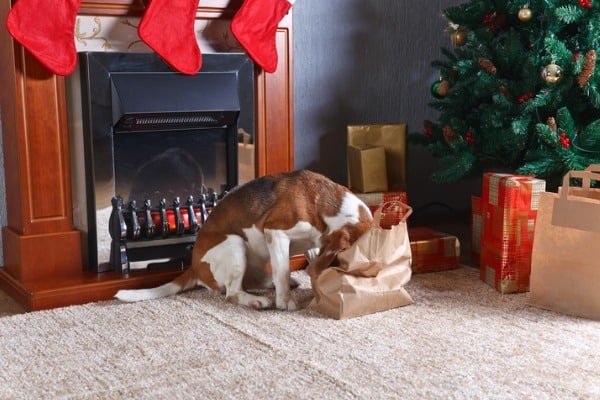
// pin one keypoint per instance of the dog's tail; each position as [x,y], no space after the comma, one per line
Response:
[188,280]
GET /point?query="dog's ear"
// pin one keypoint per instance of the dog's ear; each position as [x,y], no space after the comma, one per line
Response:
[335,242]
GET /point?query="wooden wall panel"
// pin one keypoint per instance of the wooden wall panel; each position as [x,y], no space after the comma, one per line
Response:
[46,159]
[275,126]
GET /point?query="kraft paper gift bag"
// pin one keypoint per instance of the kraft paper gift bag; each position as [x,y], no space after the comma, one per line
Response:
[565,266]
[369,276]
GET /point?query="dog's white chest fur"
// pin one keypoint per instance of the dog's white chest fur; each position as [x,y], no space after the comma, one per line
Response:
[302,237]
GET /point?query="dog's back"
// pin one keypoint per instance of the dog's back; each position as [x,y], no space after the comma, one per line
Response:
[277,202]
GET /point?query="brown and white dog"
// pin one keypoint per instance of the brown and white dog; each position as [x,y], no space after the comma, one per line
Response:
[261,221]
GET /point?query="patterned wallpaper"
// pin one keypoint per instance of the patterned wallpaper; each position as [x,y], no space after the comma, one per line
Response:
[120,34]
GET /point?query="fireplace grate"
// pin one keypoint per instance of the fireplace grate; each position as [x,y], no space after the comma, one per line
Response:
[162,232]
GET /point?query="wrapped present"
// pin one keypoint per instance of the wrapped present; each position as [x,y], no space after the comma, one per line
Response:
[366,166]
[476,229]
[392,137]
[375,200]
[246,156]
[509,209]
[433,251]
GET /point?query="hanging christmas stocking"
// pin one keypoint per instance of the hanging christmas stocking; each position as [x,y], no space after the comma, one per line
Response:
[46,28]
[255,26]
[167,27]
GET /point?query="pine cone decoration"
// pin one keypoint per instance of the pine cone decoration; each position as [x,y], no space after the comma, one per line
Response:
[589,65]
[488,66]
[551,122]
[449,135]
[504,90]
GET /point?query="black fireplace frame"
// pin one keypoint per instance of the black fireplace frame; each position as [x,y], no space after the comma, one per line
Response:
[96,81]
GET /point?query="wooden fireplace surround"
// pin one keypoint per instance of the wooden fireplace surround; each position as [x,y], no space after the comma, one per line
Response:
[42,249]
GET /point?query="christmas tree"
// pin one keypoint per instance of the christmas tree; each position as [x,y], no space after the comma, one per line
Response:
[518,91]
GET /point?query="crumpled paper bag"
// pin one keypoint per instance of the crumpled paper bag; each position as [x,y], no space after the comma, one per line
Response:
[366,278]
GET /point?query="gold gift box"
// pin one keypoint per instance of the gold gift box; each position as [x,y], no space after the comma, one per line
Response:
[392,137]
[366,168]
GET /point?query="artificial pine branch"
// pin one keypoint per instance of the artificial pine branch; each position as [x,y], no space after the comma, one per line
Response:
[569,13]
[565,122]
[589,139]
[498,93]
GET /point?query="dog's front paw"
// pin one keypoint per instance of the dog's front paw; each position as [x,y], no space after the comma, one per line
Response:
[260,303]
[288,304]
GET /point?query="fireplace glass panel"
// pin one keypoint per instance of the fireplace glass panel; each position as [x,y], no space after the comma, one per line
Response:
[157,165]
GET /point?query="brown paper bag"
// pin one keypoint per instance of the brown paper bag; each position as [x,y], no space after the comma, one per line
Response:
[369,276]
[565,268]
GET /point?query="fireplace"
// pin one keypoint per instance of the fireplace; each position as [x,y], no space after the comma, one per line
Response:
[149,141]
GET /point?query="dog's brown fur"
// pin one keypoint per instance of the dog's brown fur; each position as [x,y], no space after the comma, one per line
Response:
[273,203]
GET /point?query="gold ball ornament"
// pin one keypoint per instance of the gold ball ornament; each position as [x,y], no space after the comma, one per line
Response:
[459,37]
[551,73]
[524,14]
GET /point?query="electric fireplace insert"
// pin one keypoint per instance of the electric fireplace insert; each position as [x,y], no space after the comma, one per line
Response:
[152,149]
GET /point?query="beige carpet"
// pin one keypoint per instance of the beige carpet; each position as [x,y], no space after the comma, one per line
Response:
[460,340]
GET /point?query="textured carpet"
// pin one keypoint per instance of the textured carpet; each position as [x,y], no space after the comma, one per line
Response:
[460,339]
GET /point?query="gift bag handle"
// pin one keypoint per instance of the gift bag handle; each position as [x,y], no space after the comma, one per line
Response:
[586,176]
[577,210]
[593,168]
[379,211]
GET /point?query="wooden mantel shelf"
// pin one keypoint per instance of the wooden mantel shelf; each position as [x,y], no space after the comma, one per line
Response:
[42,249]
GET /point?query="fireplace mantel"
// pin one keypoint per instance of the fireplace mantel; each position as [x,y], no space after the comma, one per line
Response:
[42,249]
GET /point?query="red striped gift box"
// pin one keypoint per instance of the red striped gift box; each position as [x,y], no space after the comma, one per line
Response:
[377,199]
[433,251]
[509,209]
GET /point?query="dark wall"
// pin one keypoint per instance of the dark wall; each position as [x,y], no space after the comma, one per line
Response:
[368,61]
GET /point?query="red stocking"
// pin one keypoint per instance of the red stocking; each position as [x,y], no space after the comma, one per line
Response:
[255,26]
[168,28]
[46,28]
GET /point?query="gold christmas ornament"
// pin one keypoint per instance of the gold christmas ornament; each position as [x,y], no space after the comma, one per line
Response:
[551,73]
[524,14]
[459,37]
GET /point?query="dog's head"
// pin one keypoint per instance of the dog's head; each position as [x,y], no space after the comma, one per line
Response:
[334,243]
[339,240]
